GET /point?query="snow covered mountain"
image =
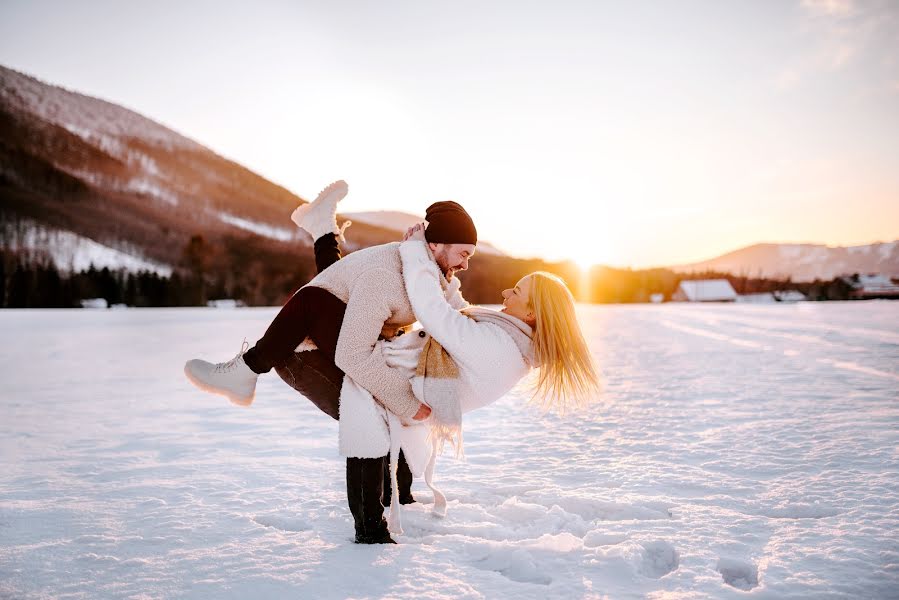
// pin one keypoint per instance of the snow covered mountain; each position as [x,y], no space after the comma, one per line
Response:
[84,179]
[803,262]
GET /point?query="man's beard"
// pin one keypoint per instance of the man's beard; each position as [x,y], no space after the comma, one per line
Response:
[447,271]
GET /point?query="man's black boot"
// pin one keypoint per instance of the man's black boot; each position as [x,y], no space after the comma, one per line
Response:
[364,486]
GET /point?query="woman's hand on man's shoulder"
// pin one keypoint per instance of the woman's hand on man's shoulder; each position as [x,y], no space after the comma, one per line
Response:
[416,233]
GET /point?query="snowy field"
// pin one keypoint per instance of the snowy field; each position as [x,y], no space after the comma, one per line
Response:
[738,452]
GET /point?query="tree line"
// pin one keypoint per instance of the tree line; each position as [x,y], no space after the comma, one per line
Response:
[256,276]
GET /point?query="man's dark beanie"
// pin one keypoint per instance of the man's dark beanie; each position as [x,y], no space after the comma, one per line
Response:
[448,223]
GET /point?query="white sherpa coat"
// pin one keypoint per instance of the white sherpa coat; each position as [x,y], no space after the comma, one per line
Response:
[489,362]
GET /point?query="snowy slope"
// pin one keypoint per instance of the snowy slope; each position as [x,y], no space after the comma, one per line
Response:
[804,262]
[109,175]
[106,174]
[739,452]
[111,128]
[284,234]
[72,253]
[85,116]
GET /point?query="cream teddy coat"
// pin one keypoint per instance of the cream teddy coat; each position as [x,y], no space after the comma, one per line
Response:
[370,281]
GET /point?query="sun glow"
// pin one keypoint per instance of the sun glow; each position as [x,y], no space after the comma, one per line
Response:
[584,264]
[589,244]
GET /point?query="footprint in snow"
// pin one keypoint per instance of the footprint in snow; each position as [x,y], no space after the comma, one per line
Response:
[740,574]
[659,559]
[516,565]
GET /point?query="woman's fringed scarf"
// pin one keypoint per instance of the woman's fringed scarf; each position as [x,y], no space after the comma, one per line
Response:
[440,376]
[440,386]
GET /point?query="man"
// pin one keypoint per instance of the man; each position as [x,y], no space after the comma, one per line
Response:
[344,310]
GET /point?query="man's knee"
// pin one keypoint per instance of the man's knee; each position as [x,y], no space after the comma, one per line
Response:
[317,377]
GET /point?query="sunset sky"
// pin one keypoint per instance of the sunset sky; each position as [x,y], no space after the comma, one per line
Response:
[623,133]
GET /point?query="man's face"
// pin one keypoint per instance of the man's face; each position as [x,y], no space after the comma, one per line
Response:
[452,257]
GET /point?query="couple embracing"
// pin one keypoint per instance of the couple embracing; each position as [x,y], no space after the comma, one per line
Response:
[345,341]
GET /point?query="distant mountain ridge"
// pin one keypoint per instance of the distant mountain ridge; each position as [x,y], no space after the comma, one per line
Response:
[69,162]
[803,262]
[92,178]
[90,182]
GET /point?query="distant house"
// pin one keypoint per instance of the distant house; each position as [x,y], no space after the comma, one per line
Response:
[94,303]
[865,287]
[704,290]
[788,296]
[772,297]
[759,298]
[225,303]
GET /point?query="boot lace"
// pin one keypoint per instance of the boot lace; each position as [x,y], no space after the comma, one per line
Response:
[228,366]
[342,228]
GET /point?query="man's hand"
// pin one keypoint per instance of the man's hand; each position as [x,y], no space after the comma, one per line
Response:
[424,411]
[415,233]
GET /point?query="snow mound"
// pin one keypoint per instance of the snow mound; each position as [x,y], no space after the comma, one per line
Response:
[282,522]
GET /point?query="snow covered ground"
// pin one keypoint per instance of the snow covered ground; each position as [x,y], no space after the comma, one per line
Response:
[739,451]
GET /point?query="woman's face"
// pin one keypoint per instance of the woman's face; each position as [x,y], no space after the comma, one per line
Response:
[516,300]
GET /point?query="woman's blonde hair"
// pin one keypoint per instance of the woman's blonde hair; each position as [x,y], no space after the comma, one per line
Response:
[567,377]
